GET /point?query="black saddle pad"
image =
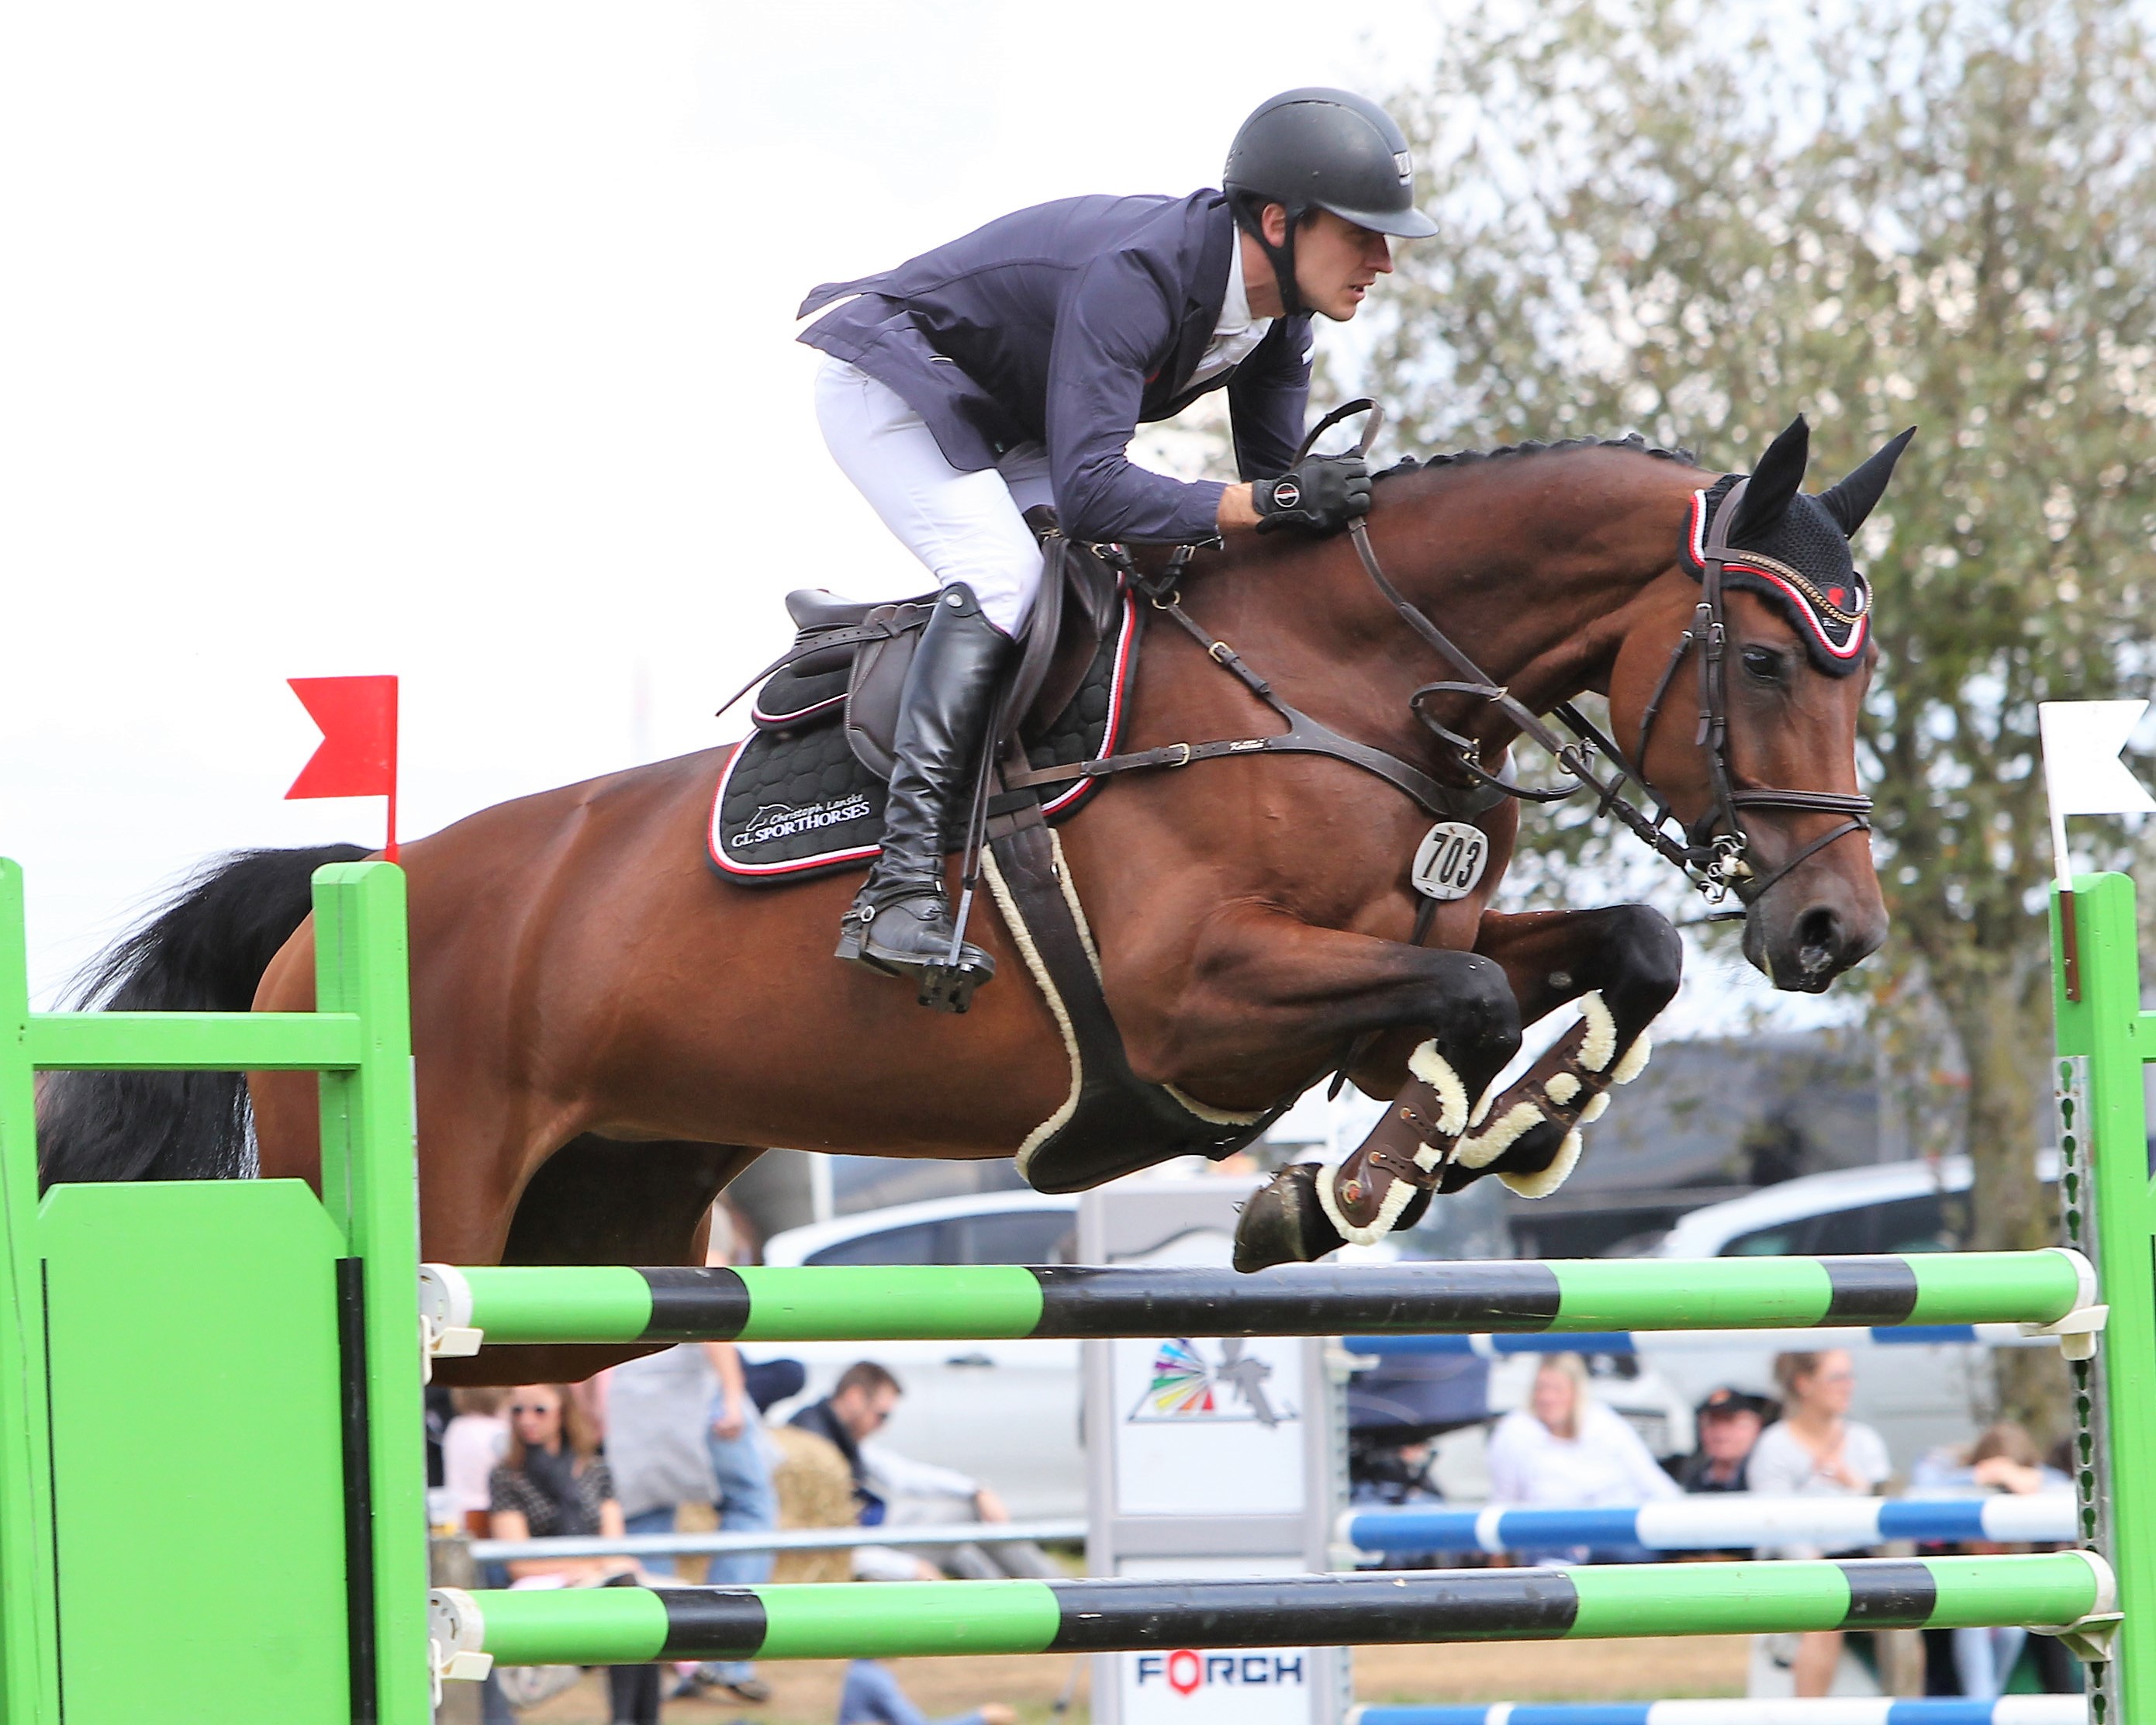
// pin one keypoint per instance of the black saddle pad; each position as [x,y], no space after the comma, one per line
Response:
[793,802]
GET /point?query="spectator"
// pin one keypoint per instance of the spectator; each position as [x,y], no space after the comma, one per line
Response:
[1565,1450]
[891,1490]
[741,1464]
[1728,1424]
[553,1482]
[472,1443]
[1817,1450]
[872,1696]
[2004,1459]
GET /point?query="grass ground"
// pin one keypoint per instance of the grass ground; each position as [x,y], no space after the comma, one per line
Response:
[807,1693]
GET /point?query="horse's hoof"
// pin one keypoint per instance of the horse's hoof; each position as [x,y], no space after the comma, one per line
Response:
[1284,1224]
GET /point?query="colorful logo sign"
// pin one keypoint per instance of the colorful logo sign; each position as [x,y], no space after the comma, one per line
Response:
[1186,1385]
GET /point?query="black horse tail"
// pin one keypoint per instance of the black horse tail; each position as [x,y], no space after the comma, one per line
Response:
[205,950]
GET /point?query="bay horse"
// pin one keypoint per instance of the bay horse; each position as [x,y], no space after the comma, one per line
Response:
[606,1035]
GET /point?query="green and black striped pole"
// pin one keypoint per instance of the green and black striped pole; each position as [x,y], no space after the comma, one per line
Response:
[628,1625]
[926,1303]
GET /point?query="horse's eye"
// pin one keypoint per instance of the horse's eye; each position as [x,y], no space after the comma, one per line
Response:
[1766,664]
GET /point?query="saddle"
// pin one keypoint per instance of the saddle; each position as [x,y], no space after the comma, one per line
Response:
[853,654]
[804,797]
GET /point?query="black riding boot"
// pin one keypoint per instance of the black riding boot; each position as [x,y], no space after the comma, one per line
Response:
[901,922]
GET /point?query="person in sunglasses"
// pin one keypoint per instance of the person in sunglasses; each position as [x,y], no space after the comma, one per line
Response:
[553,1482]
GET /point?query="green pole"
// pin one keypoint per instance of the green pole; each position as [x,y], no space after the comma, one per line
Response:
[29,1680]
[2104,1038]
[511,1303]
[891,1620]
[370,1188]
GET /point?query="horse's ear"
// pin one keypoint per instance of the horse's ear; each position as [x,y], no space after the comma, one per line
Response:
[1775,482]
[1853,499]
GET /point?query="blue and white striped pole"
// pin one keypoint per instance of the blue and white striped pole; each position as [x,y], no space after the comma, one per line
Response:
[1719,1522]
[1621,1342]
[2011,1710]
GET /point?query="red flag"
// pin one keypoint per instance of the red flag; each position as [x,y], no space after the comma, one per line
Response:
[358,753]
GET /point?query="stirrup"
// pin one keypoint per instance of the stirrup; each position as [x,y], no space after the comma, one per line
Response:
[949,988]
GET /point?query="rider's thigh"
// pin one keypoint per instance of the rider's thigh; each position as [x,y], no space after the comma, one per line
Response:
[964,526]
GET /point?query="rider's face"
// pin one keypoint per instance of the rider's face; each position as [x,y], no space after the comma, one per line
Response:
[1336,262]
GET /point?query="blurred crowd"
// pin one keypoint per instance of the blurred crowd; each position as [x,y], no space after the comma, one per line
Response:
[677,1442]
[1565,1449]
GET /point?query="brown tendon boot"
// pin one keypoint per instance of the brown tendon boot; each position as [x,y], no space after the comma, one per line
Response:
[1529,1137]
[1369,1194]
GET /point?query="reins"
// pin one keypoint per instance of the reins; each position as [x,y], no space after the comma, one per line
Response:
[1712,852]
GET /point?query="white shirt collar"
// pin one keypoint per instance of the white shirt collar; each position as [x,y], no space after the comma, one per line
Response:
[1236,304]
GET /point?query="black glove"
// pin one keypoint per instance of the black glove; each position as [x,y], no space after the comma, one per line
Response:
[1321,495]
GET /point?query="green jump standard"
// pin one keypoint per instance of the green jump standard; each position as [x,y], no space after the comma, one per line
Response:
[625,1625]
[878,1303]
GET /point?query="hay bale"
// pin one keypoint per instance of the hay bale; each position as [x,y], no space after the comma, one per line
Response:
[815,1489]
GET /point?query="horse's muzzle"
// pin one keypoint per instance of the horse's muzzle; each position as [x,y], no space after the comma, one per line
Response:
[1807,933]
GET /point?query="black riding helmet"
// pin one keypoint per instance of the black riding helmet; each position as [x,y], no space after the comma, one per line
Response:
[1322,149]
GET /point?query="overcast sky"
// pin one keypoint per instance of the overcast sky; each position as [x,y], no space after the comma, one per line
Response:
[455,340]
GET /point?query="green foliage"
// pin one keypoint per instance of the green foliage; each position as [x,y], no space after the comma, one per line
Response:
[1927,212]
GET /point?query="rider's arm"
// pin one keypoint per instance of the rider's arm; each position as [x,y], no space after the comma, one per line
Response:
[1115,328]
[1269,400]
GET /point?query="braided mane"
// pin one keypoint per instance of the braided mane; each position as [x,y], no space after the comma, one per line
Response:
[1631,440]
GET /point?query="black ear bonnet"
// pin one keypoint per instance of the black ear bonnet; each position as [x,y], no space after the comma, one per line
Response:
[1800,562]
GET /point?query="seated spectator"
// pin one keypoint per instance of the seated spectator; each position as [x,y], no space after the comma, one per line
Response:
[472,1444]
[872,1696]
[553,1482]
[1565,1450]
[1728,1424]
[1817,1450]
[2004,1459]
[891,1490]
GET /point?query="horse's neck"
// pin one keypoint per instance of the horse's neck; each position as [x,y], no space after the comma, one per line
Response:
[1538,582]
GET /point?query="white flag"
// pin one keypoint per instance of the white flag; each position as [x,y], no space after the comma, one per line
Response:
[2082,772]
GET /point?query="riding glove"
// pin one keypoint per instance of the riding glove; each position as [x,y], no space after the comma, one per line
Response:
[1321,495]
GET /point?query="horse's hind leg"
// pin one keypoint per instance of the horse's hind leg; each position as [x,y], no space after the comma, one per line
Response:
[1622,963]
[604,1201]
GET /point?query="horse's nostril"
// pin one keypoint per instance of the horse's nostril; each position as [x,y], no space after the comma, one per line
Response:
[1819,938]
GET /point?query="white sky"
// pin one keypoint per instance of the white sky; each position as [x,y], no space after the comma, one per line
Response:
[455,340]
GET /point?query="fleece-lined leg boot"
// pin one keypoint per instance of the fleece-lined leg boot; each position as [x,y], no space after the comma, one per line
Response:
[1308,1210]
[1529,1137]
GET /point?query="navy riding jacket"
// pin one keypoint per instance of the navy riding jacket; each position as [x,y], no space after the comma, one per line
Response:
[1066,325]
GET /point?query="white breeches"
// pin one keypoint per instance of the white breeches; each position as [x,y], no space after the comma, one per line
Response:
[965,526]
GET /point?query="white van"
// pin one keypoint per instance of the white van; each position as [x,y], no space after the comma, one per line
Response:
[1918,1395]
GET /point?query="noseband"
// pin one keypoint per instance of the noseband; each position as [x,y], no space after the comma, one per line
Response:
[1714,850]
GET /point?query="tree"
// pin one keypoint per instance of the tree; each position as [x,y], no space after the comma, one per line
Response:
[1941,212]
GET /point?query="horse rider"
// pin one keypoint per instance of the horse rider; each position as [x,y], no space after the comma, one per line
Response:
[1010,368]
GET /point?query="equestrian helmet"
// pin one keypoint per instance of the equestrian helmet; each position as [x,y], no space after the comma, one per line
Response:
[1326,149]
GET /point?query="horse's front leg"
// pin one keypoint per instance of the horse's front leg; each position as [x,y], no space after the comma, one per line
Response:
[1623,963]
[1260,982]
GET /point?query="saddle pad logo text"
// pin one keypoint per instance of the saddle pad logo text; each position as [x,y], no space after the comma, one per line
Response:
[1449,861]
[776,820]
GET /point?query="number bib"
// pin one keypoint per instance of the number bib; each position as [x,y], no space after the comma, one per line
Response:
[1450,860]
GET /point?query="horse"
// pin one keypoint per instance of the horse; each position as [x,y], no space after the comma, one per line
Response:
[605,1035]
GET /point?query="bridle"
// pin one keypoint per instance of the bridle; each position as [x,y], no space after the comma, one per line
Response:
[1714,850]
